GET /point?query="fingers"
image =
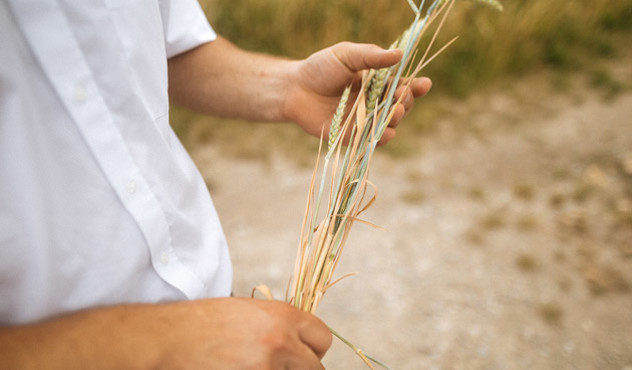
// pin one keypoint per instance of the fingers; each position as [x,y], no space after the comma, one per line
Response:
[315,334]
[302,339]
[357,57]
[305,359]
[417,89]
[421,86]
[404,96]
[389,133]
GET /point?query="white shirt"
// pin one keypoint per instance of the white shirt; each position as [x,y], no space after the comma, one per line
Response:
[99,202]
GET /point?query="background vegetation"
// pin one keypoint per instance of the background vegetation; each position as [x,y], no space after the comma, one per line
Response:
[566,37]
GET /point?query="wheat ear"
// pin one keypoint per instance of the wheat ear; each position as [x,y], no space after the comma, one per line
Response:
[336,121]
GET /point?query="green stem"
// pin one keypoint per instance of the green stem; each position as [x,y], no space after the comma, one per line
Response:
[366,358]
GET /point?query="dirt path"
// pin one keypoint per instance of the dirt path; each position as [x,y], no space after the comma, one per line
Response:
[509,244]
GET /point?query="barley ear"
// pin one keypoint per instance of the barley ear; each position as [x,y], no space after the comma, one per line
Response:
[336,121]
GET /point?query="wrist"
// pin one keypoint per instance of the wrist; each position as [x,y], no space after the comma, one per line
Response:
[290,89]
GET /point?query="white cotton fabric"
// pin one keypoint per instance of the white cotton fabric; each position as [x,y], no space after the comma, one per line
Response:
[99,202]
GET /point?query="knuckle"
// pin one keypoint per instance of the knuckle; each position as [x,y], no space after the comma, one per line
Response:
[278,341]
[285,309]
[342,45]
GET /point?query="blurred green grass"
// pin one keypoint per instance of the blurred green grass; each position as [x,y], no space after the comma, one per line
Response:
[566,37]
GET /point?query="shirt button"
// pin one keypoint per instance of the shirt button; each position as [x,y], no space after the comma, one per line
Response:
[79,93]
[164,258]
[131,187]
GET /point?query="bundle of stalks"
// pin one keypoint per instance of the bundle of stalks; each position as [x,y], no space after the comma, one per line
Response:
[344,172]
[341,194]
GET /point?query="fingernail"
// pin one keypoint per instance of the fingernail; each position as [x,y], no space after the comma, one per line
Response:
[396,52]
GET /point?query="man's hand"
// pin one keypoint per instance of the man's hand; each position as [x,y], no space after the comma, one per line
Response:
[226,333]
[220,79]
[320,79]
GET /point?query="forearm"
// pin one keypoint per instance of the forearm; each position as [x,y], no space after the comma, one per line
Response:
[95,339]
[220,79]
[217,333]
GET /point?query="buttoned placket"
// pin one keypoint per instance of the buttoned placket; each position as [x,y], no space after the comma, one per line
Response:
[86,107]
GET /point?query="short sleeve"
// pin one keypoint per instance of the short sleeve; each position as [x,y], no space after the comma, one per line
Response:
[185,26]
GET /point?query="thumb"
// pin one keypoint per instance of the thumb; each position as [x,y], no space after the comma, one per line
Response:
[357,57]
